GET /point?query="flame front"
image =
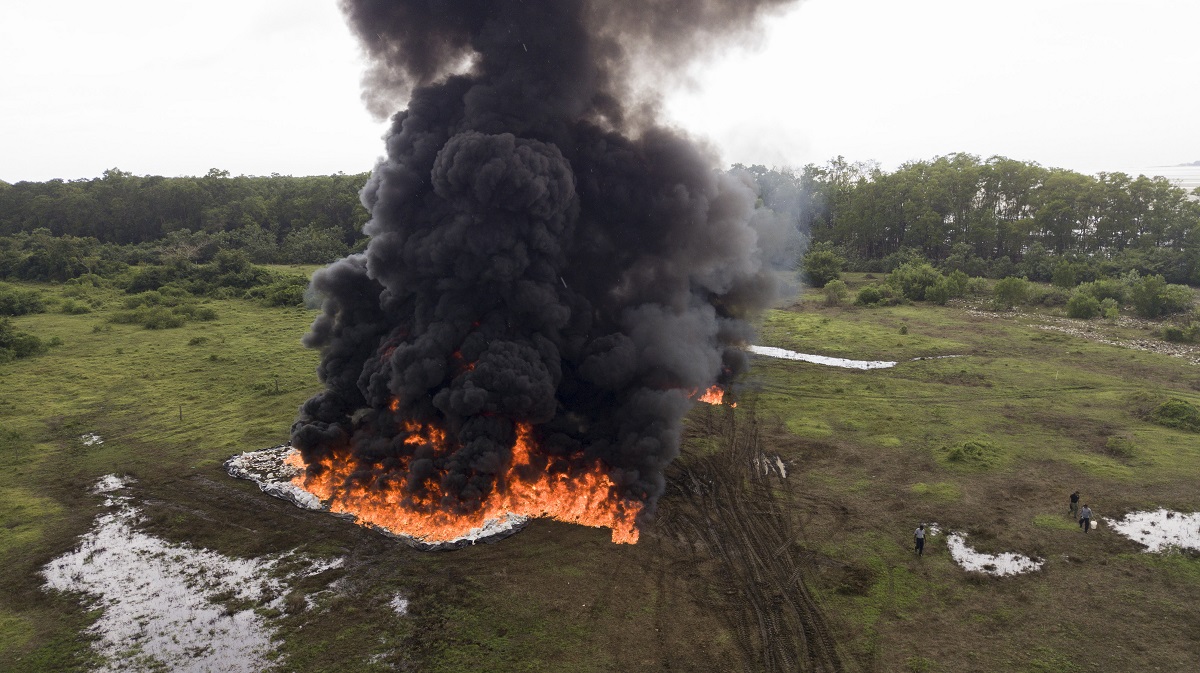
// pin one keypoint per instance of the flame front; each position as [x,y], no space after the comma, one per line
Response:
[587,499]
[714,395]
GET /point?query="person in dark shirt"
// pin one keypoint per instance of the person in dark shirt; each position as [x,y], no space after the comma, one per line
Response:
[1073,510]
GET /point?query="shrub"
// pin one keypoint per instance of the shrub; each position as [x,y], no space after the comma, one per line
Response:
[821,265]
[1121,448]
[1187,334]
[1105,288]
[286,291]
[1083,306]
[1109,308]
[971,452]
[835,293]
[1047,296]
[1176,413]
[72,307]
[1010,292]
[913,279]
[1151,298]
[16,344]
[15,301]
[877,295]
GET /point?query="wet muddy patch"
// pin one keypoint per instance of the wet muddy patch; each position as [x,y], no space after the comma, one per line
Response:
[171,606]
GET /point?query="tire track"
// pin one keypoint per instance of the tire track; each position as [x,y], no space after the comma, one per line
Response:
[723,506]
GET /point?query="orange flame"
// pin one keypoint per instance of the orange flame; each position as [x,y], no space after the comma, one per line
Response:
[587,499]
[714,395]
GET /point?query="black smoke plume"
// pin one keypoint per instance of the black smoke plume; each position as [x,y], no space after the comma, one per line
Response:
[541,252]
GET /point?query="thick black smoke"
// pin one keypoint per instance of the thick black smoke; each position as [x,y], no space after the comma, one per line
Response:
[541,252]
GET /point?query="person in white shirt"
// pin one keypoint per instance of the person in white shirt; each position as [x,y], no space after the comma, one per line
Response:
[919,534]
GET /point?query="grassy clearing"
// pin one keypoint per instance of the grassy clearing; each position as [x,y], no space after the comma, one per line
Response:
[1028,414]
[171,404]
[990,444]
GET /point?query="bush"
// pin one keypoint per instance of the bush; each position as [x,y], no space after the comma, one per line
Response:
[1176,413]
[286,291]
[1047,296]
[1083,306]
[1105,288]
[166,308]
[835,293]
[1152,297]
[821,265]
[941,291]
[972,453]
[1186,334]
[15,301]
[72,307]
[1109,309]
[913,279]
[877,295]
[16,344]
[1010,292]
[1121,448]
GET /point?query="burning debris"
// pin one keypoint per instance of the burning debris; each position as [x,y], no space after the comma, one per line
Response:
[277,471]
[550,273]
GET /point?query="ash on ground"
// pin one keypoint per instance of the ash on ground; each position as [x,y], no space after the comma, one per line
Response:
[268,469]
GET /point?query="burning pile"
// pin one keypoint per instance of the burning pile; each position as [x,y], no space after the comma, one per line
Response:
[550,275]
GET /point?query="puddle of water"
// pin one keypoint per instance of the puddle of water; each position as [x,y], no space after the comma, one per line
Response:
[999,565]
[161,602]
[268,469]
[1160,529]
[773,352]
[111,482]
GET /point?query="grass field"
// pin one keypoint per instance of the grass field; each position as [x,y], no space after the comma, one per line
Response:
[990,444]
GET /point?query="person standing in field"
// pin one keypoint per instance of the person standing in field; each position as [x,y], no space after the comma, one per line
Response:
[1085,518]
[1073,510]
[919,535]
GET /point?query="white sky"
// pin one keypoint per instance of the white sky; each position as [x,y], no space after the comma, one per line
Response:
[263,86]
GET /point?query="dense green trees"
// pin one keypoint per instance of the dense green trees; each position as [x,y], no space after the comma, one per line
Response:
[997,217]
[276,217]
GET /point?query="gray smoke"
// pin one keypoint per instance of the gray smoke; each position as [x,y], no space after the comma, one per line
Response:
[541,252]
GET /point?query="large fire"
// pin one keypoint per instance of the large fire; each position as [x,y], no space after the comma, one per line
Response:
[588,499]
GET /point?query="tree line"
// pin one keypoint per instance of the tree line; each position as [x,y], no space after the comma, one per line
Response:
[997,217]
[273,218]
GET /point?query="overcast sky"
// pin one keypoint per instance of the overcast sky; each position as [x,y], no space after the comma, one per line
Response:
[271,86]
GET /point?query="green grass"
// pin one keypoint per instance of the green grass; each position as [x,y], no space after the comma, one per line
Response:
[172,404]
[990,444]
[867,455]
